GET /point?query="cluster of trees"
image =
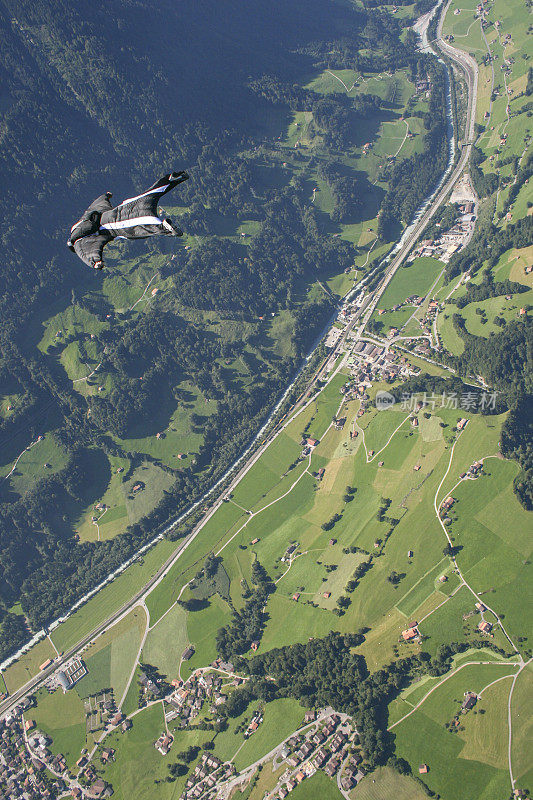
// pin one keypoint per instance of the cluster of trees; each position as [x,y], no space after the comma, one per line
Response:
[517,443]
[261,278]
[327,672]
[477,292]
[484,183]
[411,180]
[246,625]
[347,190]
[523,174]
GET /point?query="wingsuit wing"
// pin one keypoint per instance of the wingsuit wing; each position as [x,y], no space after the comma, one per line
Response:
[137,217]
[89,248]
[85,238]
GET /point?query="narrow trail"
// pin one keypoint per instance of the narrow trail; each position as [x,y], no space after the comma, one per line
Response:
[86,378]
[369,459]
[426,296]
[26,449]
[368,253]
[96,522]
[510,724]
[137,659]
[341,81]
[404,138]
[421,620]
[144,293]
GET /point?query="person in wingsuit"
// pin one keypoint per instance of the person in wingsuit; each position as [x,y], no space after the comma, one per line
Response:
[135,218]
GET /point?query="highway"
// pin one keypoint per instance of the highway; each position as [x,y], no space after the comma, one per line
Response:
[469,69]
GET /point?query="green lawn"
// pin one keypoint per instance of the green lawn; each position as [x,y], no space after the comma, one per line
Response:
[385,783]
[318,787]
[28,665]
[62,717]
[167,641]
[281,718]
[413,278]
[110,659]
[471,762]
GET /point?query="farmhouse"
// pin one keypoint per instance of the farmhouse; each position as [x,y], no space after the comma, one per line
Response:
[409,634]
[469,702]
[485,627]
[163,744]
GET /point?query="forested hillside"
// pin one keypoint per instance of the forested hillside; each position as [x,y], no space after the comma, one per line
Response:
[104,101]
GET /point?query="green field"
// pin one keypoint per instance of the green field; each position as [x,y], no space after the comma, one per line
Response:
[413,278]
[28,665]
[281,718]
[317,787]
[385,783]
[61,716]
[167,641]
[110,659]
[473,759]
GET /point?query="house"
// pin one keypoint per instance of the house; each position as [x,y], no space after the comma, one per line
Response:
[255,645]
[332,766]
[254,541]
[423,769]
[321,472]
[480,607]
[107,754]
[126,725]
[163,744]
[485,627]
[410,633]
[347,782]
[410,554]
[320,758]
[310,715]
[188,653]
[98,788]
[326,595]
[311,442]
[296,596]
[45,664]
[461,424]
[469,702]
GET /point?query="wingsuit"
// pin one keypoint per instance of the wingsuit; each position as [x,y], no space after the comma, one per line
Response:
[134,218]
